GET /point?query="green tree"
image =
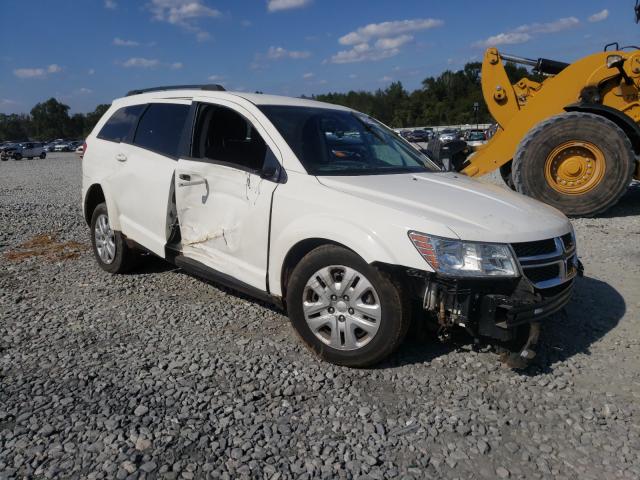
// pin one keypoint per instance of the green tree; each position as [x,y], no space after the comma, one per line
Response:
[50,119]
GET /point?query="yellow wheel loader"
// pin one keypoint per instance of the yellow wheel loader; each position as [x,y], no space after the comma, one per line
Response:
[572,140]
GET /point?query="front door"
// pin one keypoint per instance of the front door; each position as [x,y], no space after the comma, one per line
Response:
[223,200]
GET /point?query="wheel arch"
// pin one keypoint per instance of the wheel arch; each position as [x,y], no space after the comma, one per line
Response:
[297,253]
[94,197]
[628,126]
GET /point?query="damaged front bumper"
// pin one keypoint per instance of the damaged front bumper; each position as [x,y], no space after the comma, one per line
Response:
[508,311]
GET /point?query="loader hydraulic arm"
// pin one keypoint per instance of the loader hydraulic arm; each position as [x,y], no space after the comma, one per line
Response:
[518,108]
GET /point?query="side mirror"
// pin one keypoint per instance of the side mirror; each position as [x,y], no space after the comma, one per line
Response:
[270,172]
[271,169]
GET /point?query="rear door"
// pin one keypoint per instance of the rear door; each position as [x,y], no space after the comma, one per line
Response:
[224,190]
[142,183]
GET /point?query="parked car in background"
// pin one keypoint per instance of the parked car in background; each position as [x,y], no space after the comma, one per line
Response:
[475,138]
[80,150]
[418,135]
[63,147]
[448,135]
[28,150]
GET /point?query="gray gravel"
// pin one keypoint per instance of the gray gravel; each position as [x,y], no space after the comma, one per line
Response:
[157,374]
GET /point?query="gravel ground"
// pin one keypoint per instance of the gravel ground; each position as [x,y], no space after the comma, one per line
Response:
[157,374]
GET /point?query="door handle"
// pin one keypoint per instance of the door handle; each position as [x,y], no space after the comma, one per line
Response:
[121,157]
[190,180]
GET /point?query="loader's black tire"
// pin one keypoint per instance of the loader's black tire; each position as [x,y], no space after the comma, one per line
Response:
[506,174]
[529,162]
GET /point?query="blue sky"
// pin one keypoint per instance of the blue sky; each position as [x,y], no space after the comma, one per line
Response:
[91,51]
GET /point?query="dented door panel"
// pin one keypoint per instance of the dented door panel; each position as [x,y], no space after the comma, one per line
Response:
[223,214]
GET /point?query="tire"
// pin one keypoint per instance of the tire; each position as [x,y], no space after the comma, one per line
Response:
[122,259]
[17,156]
[43,155]
[506,174]
[538,146]
[378,294]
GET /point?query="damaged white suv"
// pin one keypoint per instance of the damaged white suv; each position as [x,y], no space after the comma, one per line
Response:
[325,211]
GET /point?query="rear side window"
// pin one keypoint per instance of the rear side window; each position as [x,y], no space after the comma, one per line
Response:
[120,124]
[160,128]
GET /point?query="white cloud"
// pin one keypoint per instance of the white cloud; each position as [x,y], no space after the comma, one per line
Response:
[526,32]
[600,16]
[549,27]
[7,102]
[183,13]
[388,29]
[85,90]
[308,76]
[279,53]
[246,23]
[353,75]
[215,78]
[386,79]
[363,52]
[125,43]
[37,72]
[394,42]
[389,38]
[512,38]
[277,5]
[139,62]
[91,71]
[110,4]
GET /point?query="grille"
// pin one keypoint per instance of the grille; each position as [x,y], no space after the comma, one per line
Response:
[540,274]
[531,249]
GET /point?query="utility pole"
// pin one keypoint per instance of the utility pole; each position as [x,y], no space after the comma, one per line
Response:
[476,109]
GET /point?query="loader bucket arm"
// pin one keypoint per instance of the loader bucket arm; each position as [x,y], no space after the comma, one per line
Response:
[520,107]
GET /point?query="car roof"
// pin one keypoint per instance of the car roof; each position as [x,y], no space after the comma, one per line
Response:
[255,98]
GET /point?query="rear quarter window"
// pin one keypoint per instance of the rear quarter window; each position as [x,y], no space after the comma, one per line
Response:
[121,123]
[160,128]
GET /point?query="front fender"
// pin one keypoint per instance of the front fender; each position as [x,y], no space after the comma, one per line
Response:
[364,241]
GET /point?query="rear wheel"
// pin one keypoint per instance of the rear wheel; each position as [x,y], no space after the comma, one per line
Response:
[345,310]
[17,156]
[109,246]
[43,155]
[580,163]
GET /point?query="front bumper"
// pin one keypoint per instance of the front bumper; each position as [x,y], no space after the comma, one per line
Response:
[500,315]
[494,309]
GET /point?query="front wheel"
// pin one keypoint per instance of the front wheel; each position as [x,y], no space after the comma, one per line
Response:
[17,156]
[43,155]
[345,310]
[580,163]
[109,246]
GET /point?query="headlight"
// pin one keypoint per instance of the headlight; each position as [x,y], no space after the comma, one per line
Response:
[467,259]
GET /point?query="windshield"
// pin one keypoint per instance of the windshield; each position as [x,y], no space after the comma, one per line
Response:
[338,142]
[476,136]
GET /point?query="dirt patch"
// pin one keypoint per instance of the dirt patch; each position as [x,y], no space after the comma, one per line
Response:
[48,247]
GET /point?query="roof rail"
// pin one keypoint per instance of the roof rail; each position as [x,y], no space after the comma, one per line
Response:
[211,86]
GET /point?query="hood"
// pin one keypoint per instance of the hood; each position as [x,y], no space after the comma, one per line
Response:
[473,210]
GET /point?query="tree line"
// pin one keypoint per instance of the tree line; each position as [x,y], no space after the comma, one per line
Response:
[47,121]
[447,99]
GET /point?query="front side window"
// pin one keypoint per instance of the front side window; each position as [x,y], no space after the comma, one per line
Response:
[339,142]
[120,124]
[223,135]
[160,128]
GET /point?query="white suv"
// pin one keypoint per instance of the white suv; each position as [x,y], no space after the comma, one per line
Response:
[324,211]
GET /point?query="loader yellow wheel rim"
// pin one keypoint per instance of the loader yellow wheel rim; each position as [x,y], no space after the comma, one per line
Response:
[575,168]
